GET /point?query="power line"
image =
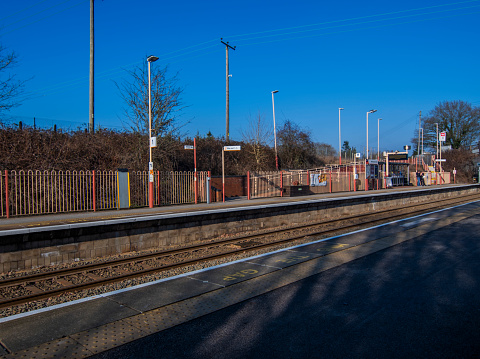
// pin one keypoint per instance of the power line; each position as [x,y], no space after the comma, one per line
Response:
[356,29]
[43,18]
[20,11]
[39,12]
[195,48]
[352,19]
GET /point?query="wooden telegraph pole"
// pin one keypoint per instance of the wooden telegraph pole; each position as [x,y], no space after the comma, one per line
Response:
[227,46]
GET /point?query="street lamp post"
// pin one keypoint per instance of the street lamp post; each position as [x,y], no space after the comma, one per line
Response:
[339,138]
[371,111]
[378,139]
[436,153]
[150,59]
[275,130]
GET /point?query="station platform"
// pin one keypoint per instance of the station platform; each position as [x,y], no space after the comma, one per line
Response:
[97,324]
[56,219]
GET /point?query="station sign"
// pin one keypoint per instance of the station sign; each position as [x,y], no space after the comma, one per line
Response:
[443,136]
[398,156]
[232,148]
[188,147]
[357,155]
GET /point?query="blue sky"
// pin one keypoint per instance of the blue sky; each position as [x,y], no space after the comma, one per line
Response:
[397,57]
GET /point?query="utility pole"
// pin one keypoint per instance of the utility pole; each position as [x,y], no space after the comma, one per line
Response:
[227,46]
[436,154]
[91,127]
[419,127]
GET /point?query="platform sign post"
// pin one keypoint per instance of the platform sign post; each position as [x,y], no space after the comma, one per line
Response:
[194,148]
[226,148]
[442,138]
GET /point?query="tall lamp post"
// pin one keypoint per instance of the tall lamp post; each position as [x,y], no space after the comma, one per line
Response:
[275,131]
[378,139]
[150,59]
[371,111]
[339,138]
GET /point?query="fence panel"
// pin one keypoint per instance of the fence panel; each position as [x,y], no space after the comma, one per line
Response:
[106,189]
[3,200]
[265,184]
[36,192]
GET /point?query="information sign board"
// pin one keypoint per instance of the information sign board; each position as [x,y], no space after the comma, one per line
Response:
[153,142]
[232,148]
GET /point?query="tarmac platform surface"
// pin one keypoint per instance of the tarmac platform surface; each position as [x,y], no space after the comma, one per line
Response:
[141,321]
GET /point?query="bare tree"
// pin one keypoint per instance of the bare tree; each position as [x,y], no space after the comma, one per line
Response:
[257,136]
[296,150]
[326,152]
[10,87]
[166,101]
[460,120]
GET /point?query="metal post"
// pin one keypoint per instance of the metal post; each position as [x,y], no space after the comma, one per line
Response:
[248,185]
[339,138]
[367,136]
[436,154]
[378,140]
[281,183]
[159,197]
[208,187]
[354,173]
[330,180]
[7,202]
[150,164]
[91,127]
[94,197]
[441,160]
[418,148]
[223,173]
[366,180]
[371,111]
[195,168]
[275,131]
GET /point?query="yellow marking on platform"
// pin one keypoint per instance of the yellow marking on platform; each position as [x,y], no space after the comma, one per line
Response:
[294,259]
[334,246]
[240,274]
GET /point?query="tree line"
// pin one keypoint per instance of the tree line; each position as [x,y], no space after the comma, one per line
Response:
[27,148]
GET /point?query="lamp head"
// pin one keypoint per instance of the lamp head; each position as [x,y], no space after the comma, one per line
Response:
[152,58]
[372,111]
[341,108]
[275,91]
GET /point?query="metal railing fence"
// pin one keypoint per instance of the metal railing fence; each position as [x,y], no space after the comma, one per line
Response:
[327,180]
[45,192]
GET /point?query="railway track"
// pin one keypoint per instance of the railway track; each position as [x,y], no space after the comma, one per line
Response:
[23,289]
